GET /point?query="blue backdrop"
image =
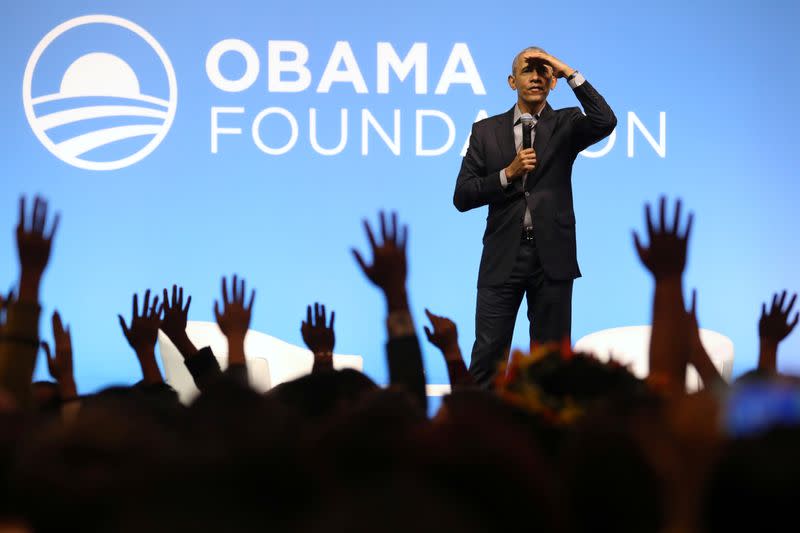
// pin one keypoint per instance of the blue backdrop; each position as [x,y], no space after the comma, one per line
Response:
[719,76]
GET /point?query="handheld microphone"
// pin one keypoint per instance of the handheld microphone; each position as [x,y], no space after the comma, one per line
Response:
[527,127]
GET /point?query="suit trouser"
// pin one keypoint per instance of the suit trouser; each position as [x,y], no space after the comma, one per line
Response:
[549,312]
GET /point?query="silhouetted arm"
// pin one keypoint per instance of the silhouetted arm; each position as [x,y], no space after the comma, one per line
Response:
[773,327]
[201,364]
[19,342]
[698,356]
[665,258]
[404,358]
[173,323]
[234,321]
[59,363]
[388,272]
[445,337]
[142,334]
[204,368]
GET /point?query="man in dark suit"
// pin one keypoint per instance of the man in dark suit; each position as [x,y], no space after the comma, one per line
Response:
[529,242]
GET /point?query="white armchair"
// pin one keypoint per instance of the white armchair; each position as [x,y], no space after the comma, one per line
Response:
[631,345]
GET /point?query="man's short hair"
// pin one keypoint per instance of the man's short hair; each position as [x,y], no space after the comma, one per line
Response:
[521,53]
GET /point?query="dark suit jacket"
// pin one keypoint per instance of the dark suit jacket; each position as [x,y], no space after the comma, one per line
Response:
[560,135]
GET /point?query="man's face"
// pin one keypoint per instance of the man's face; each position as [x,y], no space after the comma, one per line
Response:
[533,80]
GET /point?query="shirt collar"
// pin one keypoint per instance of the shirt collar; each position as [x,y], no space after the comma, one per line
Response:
[518,113]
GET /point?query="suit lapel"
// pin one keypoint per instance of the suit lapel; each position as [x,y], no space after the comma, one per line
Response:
[544,130]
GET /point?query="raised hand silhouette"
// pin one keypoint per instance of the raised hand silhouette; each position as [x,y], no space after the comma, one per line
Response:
[176,314]
[665,255]
[234,317]
[319,336]
[444,336]
[388,272]
[774,326]
[142,334]
[665,258]
[173,323]
[19,318]
[388,269]
[34,243]
[59,362]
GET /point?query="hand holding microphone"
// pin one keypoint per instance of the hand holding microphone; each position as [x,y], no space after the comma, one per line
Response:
[525,161]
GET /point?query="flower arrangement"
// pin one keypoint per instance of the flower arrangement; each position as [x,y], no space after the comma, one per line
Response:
[559,384]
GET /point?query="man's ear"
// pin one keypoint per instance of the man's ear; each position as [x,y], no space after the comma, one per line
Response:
[512,82]
[553,83]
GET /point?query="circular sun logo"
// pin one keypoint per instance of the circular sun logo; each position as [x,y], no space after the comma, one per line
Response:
[100,109]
